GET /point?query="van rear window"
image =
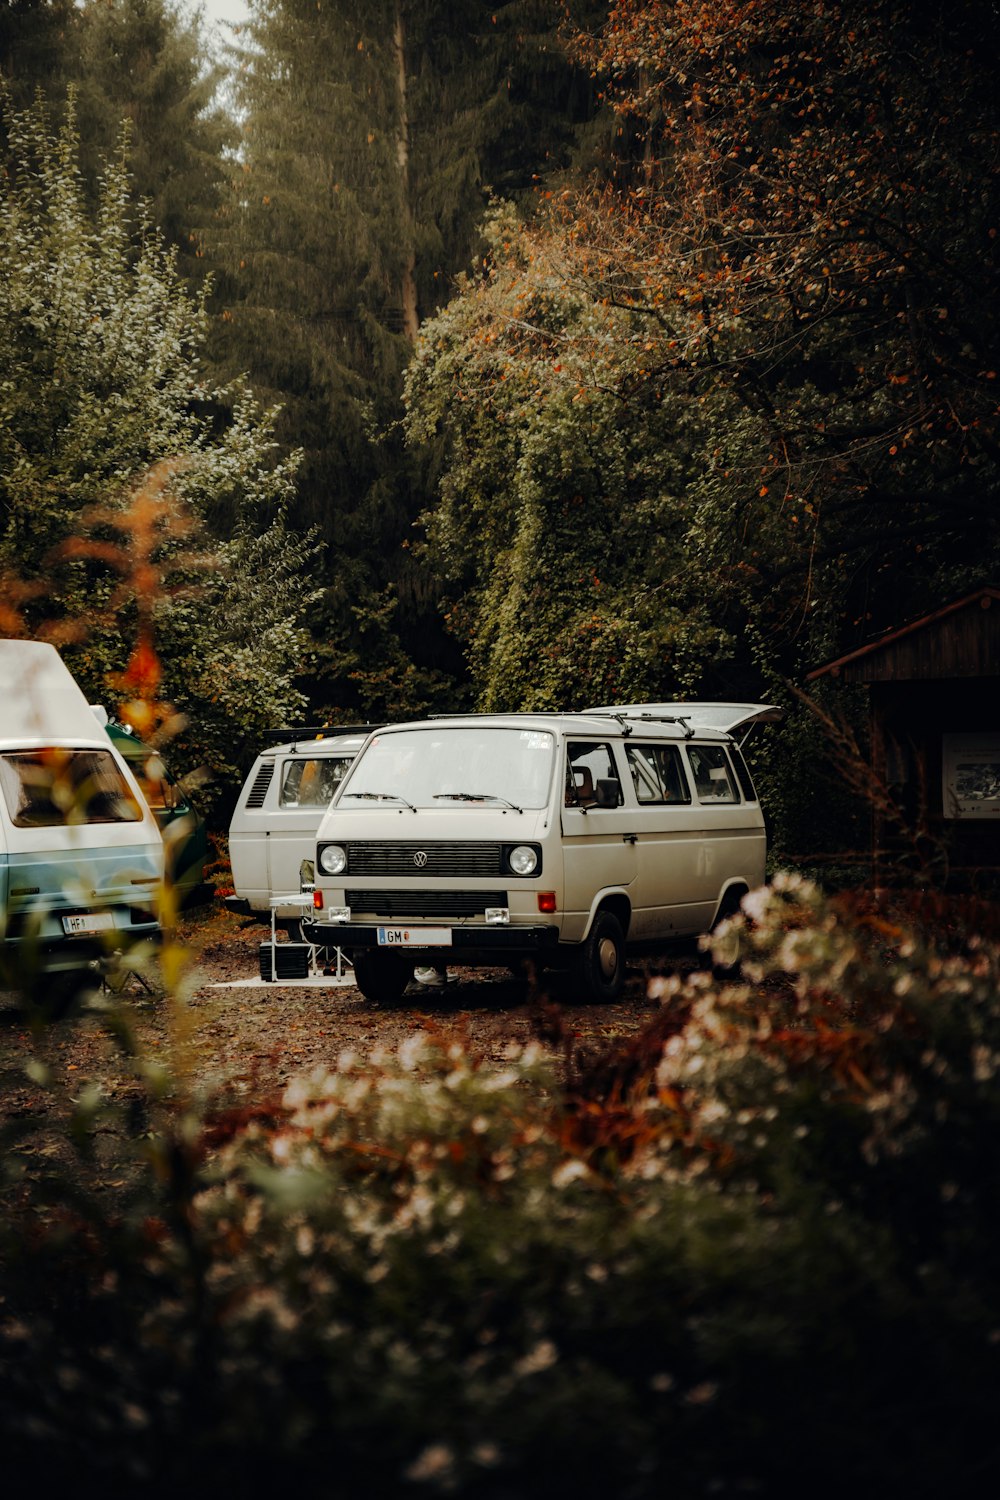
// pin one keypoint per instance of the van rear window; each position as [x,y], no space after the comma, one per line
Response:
[58,788]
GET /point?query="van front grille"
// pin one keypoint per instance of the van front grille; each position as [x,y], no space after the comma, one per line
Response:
[424,903]
[434,858]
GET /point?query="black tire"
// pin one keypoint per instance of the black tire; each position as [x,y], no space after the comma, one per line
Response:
[382,977]
[53,997]
[730,968]
[600,964]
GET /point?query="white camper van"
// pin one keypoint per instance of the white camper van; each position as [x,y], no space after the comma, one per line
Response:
[565,838]
[273,830]
[81,857]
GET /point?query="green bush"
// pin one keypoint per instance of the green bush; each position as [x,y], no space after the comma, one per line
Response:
[751,1251]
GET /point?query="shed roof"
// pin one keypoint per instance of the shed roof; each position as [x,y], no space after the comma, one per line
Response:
[961,639]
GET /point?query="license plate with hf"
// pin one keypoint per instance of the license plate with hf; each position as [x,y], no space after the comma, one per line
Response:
[87,922]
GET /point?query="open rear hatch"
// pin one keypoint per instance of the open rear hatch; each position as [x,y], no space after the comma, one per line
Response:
[737,719]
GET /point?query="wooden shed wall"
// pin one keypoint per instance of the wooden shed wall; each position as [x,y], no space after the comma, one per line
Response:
[963,644]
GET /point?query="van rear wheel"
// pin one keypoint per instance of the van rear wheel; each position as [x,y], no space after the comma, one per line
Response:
[382,977]
[600,963]
[725,960]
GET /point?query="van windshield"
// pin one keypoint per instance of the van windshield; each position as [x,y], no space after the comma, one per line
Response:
[54,788]
[456,766]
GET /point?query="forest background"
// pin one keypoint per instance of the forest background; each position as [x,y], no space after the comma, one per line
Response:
[422,356]
[451,356]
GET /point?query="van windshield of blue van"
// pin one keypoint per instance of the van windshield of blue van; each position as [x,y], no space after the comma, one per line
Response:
[55,788]
[456,766]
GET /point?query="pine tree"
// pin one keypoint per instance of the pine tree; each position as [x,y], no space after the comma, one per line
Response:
[143,61]
[373,137]
[35,38]
[102,387]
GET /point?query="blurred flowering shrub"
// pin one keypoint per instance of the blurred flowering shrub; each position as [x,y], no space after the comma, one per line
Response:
[752,1251]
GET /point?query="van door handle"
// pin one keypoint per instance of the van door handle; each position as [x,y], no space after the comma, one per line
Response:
[630,838]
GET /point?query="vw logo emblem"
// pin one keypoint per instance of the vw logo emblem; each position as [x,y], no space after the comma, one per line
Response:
[420,859]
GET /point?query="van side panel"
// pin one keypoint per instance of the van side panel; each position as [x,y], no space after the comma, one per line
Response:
[685,861]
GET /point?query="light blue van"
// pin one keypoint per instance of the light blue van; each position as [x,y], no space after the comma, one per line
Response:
[81,856]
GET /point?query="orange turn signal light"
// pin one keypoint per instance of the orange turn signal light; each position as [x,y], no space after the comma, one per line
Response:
[318,900]
[546,900]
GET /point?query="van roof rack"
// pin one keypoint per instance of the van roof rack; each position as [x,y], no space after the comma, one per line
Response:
[294,733]
[624,716]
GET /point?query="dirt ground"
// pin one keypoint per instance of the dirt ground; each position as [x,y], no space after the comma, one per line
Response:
[238,1045]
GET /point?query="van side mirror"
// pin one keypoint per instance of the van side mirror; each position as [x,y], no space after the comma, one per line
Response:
[607,791]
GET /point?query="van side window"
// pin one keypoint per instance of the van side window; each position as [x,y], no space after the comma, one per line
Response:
[587,763]
[160,794]
[743,774]
[658,774]
[155,782]
[713,778]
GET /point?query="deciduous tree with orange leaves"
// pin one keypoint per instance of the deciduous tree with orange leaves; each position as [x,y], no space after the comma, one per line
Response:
[789,262]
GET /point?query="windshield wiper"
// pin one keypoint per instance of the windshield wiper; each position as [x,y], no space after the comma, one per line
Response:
[382,797]
[477,797]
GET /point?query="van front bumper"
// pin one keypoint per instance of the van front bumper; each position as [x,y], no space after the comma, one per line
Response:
[467,939]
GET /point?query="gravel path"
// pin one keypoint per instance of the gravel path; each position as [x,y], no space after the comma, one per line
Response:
[237,1044]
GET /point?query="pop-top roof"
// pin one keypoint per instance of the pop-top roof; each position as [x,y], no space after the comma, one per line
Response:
[39,697]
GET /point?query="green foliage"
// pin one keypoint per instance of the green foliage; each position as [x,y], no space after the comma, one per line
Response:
[371,136]
[752,1250]
[745,374]
[562,512]
[379,674]
[34,38]
[144,61]
[102,382]
[826,283]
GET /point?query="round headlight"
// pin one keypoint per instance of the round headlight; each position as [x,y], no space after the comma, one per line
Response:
[332,859]
[524,860]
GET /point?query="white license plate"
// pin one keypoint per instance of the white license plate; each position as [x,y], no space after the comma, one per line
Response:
[88,921]
[414,937]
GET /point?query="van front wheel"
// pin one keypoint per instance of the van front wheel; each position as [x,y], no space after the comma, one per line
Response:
[600,963]
[382,977]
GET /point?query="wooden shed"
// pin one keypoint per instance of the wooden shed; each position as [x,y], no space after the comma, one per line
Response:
[934,693]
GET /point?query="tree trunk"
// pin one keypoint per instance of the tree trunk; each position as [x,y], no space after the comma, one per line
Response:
[408,289]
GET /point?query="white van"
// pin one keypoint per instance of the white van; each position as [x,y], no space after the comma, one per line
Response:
[563,838]
[273,830]
[81,857]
